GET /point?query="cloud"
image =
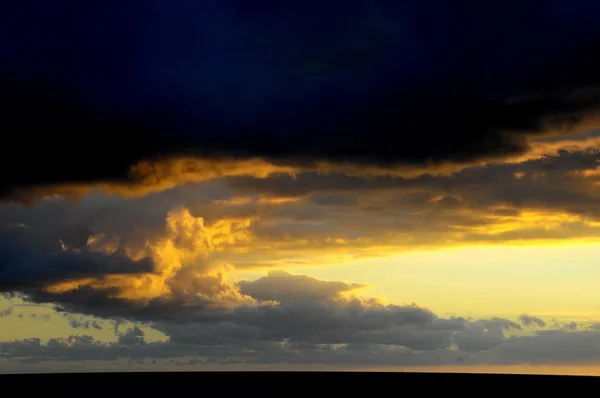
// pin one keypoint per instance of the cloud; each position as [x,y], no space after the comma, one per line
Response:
[528,320]
[303,320]
[476,342]
[327,218]
[550,347]
[282,287]
[149,177]
[165,273]
[484,335]
[32,260]
[133,336]
[341,93]
[314,313]
[80,323]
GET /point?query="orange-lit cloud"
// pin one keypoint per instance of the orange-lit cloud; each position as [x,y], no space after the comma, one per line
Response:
[187,242]
[317,218]
[147,177]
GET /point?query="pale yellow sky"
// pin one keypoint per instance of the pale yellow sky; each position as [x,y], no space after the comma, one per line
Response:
[15,327]
[559,282]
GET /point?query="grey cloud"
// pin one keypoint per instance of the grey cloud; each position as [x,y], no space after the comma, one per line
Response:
[117,323]
[426,209]
[133,336]
[544,347]
[483,334]
[549,347]
[571,326]
[86,348]
[98,302]
[395,326]
[311,182]
[315,312]
[113,216]
[528,320]
[334,200]
[80,323]
[294,289]
[544,183]
[322,327]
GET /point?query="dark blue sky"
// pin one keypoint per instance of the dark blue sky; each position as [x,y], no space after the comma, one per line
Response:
[90,87]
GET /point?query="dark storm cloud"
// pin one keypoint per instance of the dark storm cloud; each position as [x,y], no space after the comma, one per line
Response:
[33,259]
[94,88]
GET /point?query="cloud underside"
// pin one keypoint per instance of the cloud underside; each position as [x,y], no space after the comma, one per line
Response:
[552,348]
[144,176]
[270,215]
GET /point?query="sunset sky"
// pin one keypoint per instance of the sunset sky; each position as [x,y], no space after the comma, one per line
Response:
[374,185]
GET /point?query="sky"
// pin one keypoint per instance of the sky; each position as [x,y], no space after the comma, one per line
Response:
[373,185]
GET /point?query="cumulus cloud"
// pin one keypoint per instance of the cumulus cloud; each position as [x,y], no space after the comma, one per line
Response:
[108,278]
[322,315]
[282,287]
